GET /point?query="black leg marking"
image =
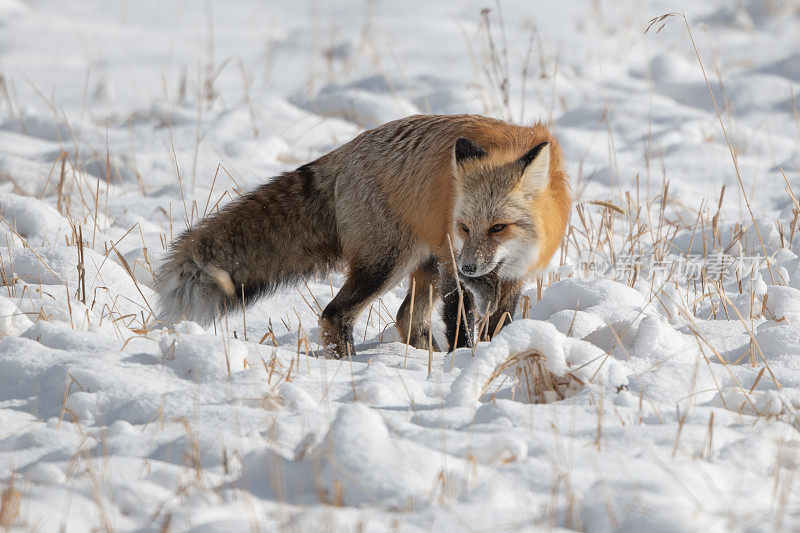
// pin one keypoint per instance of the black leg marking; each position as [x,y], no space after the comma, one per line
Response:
[461,336]
[363,284]
[414,328]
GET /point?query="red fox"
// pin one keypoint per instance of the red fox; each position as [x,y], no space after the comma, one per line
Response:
[383,205]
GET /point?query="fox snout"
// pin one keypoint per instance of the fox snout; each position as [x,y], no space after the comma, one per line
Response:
[468,269]
[475,261]
[474,270]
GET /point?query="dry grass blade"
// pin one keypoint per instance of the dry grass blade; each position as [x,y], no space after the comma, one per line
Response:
[430,327]
[728,142]
[26,245]
[128,270]
[609,205]
[410,319]
[530,374]
[9,506]
[659,19]
[461,309]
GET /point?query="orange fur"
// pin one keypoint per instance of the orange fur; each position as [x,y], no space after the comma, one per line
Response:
[423,195]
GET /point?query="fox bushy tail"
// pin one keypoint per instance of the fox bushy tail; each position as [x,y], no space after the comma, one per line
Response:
[279,234]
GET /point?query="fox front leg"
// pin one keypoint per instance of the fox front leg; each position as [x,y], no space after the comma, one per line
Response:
[460,333]
[485,293]
[494,297]
[413,324]
[507,299]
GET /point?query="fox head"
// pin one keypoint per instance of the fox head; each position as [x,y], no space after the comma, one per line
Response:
[493,226]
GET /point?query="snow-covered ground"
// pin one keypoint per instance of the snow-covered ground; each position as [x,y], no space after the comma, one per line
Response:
[678,399]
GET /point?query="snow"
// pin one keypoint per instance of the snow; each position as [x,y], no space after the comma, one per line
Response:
[563,355]
[678,394]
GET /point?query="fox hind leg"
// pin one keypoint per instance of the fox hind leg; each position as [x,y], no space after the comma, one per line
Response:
[364,282]
[414,327]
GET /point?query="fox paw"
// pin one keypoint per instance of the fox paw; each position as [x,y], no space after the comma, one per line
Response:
[419,340]
[338,346]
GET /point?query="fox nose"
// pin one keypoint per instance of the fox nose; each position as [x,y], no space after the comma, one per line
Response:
[468,269]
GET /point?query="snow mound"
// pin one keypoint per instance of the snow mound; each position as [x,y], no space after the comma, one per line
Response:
[203,357]
[361,459]
[12,8]
[33,219]
[562,356]
[13,321]
[367,109]
[582,295]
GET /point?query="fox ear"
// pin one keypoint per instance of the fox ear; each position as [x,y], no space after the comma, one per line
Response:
[535,168]
[466,149]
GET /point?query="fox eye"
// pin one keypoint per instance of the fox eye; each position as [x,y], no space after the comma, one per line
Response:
[497,227]
[464,227]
